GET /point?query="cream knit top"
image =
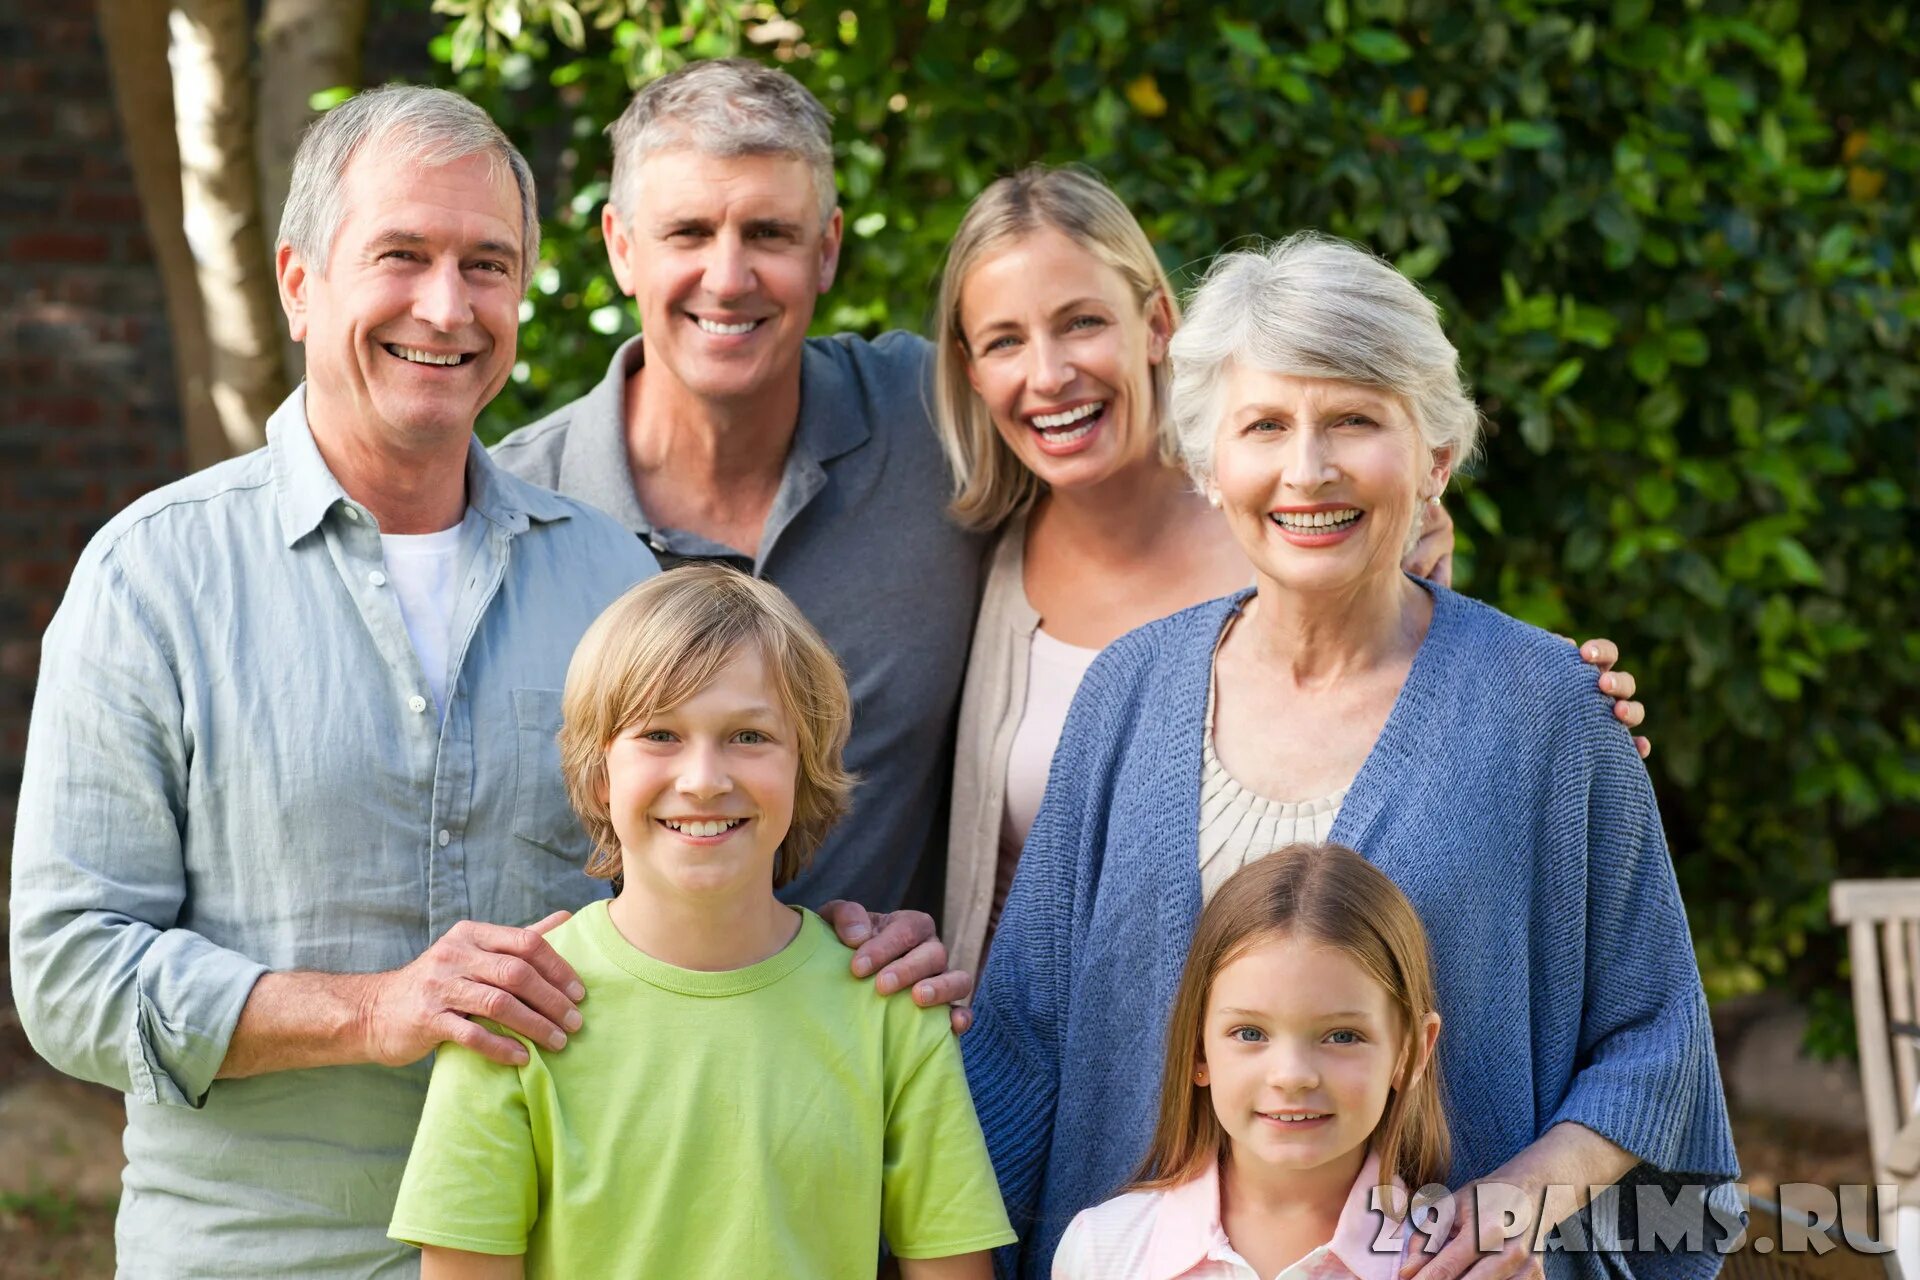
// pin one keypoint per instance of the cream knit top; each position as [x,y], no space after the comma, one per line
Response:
[1238,826]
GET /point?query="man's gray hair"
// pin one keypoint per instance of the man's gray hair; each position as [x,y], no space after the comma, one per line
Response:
[723,107]
[1313,306]
[413,125]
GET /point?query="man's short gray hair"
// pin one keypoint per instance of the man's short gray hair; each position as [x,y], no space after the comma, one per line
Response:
[414,125]
[1313,306]
[723,107]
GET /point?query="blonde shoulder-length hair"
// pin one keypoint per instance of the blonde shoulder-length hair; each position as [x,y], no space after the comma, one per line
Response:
[663,642]
[990,483]
[1331,896]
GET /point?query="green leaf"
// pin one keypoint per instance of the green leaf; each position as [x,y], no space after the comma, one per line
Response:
[1565,374]
[1798,563]
[1242,37]
[1780,683]
[568,26]
[1687,347]
[1656,495]
[1379,46]
[1418,264]
[1528,135]
[1790,60]
[1536,430]
[1648,361]
[327,99]
[1835,245]
[1484,510]
[1336,14]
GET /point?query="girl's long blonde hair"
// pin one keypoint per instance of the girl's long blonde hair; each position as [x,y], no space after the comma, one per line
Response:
[990,483]
[1332,896]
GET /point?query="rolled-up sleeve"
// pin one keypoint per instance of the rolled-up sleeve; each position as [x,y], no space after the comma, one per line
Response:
[108,987]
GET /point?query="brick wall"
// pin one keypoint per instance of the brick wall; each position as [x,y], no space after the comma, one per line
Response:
[88,418]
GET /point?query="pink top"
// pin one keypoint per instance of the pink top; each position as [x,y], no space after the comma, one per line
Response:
[1177,1235]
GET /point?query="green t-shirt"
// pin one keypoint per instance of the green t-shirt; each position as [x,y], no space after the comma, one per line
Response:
[766,1121]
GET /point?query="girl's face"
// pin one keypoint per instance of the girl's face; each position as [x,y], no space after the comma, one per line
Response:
[702,795]
[1320,479]
[1062,353]
[1300,1052]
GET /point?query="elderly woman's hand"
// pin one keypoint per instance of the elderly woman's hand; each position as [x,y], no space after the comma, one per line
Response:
[1618,685]
[1483,1231]
[1432,556]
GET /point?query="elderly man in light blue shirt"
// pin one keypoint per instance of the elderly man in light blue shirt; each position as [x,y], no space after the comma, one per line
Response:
[294,736]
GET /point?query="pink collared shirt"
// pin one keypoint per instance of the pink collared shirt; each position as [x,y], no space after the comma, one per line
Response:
[1177,1235]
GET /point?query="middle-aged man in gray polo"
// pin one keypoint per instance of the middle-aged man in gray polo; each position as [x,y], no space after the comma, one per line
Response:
[294,737]
[725,433]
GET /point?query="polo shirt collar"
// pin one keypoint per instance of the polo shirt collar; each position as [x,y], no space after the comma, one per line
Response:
[1187,1230]
[593,453]
[305,488]
[593,458]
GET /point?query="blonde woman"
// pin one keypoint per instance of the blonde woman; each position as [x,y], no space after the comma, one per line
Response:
[1050,399]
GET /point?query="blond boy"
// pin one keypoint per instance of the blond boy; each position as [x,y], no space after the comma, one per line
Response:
[739,1104]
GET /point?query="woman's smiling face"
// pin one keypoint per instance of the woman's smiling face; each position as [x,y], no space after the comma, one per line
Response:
[1320,479]
[1062,353]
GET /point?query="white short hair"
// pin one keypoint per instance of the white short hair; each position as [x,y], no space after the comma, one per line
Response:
[1313,306]
[723,107]
[416,126]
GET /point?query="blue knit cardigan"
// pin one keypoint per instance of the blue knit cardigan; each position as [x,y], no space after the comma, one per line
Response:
[1505,801]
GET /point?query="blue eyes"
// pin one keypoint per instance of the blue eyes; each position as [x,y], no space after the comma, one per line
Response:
[1254,1035]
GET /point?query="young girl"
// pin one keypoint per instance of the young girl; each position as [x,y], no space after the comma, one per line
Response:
[1299,1092]
[737,1102]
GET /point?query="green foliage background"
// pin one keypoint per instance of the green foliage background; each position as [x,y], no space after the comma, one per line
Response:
[1675,244]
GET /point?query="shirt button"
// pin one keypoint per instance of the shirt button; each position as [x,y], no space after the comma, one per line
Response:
[377,578]
[349,511]
[416,704]
[657,544]
[445,837]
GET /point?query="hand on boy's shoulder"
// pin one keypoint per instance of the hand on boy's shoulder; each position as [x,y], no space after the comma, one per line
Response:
[902,947]
[509,976]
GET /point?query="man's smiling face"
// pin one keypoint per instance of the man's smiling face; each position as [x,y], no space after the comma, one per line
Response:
[410,329]
[725,257]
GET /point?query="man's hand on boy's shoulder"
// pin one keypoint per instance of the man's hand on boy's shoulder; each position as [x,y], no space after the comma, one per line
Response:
[903,948]
[510,976]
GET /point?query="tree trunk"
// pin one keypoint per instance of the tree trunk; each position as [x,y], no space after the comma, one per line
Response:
[306,47]
[135,35]
[213,115]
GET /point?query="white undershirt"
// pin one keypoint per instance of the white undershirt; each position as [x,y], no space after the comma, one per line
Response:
[424,570]
[1054,671]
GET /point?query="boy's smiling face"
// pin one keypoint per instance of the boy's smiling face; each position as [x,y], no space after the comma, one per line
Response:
[702,795]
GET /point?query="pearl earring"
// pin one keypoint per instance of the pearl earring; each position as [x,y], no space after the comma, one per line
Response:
[1213,498]
[1434,501]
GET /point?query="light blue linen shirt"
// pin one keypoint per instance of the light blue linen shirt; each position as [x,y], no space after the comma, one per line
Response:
[235,766]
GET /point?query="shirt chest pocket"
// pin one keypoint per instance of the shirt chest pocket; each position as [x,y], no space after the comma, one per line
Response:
[541,814]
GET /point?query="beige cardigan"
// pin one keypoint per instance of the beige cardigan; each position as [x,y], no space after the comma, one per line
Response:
[991,703]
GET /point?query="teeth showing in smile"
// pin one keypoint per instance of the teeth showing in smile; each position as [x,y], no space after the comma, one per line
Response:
[418,356]
[1316,521]
[714,326]
[1059,428]
[702,829]
[1295,1118]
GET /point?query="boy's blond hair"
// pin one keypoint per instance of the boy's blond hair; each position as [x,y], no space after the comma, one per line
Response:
[664,641]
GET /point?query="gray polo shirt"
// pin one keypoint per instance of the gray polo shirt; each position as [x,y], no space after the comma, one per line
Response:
[859,538]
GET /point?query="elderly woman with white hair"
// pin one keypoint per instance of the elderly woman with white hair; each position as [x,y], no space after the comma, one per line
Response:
[1320,406]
